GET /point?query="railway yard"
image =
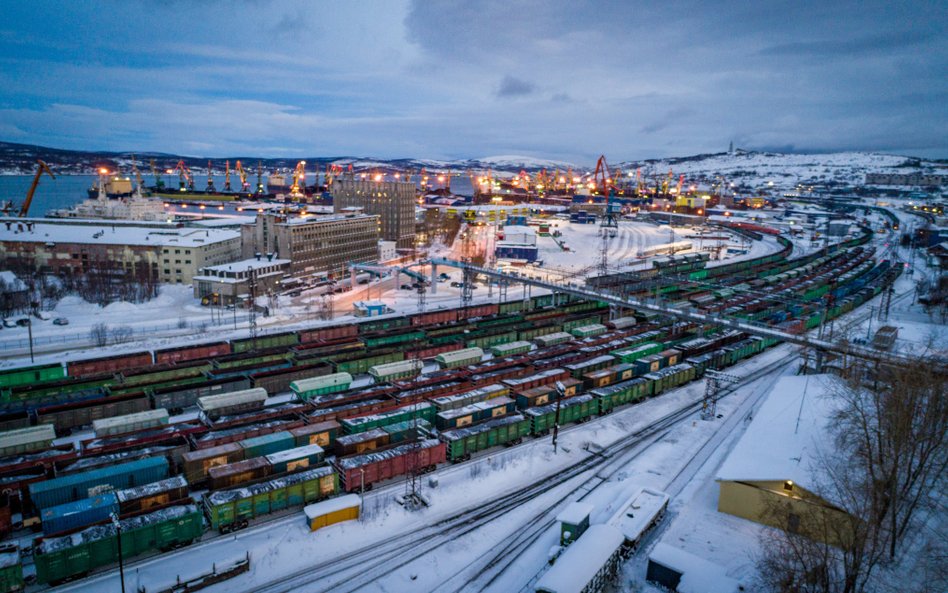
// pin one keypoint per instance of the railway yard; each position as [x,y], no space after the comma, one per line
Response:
[487,418]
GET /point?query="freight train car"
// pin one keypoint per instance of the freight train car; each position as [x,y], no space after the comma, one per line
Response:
[108,364]
[462,442]
[363,471]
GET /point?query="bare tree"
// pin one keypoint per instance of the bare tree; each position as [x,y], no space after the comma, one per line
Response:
[895,426]
[122,334]
[99,334]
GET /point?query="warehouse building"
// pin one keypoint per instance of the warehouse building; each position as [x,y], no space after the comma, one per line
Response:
[314,245]
[778,461]
[905,179]
[392,201]
[155,251]
[228,283]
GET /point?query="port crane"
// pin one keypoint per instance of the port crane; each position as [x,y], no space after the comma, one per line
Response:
[227,176]
[185,179]
[159,182]
[244,184]
[210,179]
[138,175]
[42,168]
[299,178]
[260,188]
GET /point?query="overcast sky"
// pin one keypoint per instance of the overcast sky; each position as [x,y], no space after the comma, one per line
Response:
[465,79]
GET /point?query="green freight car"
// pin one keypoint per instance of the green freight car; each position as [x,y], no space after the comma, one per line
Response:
[31,375]
[390,323]
[574,409]
[613,396]
[305,389]
[263,342]
[535,332]
[393,339]
[512,348]
[172,374]
[11,569]
[459,358]
[424,410]
[461,442]
[61,558]
[491,340]
[233,509]
[361,366]
[670,377]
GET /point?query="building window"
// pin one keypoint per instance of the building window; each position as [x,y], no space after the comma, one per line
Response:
[788,485]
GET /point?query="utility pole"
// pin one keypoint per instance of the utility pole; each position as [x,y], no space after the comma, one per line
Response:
[560,393]
[252,287]
[118,533]
[709,407]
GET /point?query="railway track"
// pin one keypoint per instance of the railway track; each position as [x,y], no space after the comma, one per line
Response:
[385,556]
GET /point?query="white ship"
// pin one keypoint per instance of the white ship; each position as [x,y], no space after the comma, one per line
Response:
[134,207]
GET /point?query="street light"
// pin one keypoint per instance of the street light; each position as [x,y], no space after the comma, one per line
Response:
[118,532]
[560,391]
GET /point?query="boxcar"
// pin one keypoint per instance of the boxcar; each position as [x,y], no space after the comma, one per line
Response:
[196,464]
[279,380]
[547,377]
[458,400]
[360,442]
[115,425]
[152,496]
[573,409]
[228,510]
[307,388]
[65,417]
[196,352]
[61,558]
[329,334]
[459,358]
[362,471]
[295,459]
[284,340]
[26,440]
[323,434]
[31,375]
[83,485]
[552,339]
[511,348]
[266,444]
[435,317]
[177,398]
[11,569]
[72,516]
[474,413]
[361,364]
[422,410]
[108,364]
[238,473]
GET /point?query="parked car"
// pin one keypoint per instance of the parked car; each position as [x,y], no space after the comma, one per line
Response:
[9,323]
[406,287]
[42,315]
[23,321]
[457,284]
[60,321]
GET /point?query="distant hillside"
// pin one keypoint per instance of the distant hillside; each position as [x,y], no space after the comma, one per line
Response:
[747,170]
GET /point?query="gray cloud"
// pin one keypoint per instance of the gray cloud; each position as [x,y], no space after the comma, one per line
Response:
[511,86]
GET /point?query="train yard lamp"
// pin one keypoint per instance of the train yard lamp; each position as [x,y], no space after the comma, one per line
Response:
[560,393]
[362,490]
[118,533]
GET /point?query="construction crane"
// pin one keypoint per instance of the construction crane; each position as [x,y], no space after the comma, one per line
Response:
[159,182]
[260,189]
[244,184]
[42,168]
[227,176]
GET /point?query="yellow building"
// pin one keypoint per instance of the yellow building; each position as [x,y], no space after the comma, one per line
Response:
[773,475]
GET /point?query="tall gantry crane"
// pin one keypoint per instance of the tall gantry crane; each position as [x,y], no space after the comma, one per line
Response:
[227,176]
[185,179]
[299,180]
[210,179]
[604,183]
[159,182]
[138,175]
[244,184]
[40,169]
[260,188]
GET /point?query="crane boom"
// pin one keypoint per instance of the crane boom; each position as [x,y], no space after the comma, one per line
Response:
[43,168]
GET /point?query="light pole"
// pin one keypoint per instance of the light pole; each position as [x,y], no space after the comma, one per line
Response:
[118,533]
[362,491]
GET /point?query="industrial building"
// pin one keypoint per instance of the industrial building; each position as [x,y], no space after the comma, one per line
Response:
[314,245]
[160,251]
[905,179]
[227,283]
[779,458]
[517,243]
[392,201]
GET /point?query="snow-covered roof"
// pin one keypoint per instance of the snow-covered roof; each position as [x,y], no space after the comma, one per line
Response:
[295,453]
[581,560]
[109,233]
[332,505]
[697,574]
[776,446]
[244,265]
[635,516]
[575,513]
[28,435]
[9,278]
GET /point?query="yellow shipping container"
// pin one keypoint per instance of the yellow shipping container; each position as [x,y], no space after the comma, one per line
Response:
[332,511]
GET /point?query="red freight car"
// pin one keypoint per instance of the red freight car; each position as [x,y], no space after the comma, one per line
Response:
[547,377]
[352,409]
[435,317]
[362,471]
[6,525]
[46,459]
[287,411]
[108,364]
[17,486]
[197,352]
[432,351]
[330,334]
[479,311]
[496,376]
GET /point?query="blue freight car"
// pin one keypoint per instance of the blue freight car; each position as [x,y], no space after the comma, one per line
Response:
[79,514]
[87,484]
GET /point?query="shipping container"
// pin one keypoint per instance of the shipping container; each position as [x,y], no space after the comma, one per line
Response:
[330,512]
